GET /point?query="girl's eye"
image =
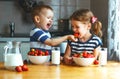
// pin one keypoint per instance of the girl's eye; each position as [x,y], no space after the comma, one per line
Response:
[72,26]
[77,26]
[47,17]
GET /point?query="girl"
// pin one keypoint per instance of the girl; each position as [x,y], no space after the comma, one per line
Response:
[89,29]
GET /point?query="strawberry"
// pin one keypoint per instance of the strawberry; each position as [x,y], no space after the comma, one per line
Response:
[96,62]
[76,35]
[46,53]
[85,54]
[18,68]
[24,67]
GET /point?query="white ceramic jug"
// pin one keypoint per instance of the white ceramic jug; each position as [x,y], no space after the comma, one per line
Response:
[12,56]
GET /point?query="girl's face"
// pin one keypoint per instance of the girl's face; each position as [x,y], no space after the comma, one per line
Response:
[80,27]
[45,19]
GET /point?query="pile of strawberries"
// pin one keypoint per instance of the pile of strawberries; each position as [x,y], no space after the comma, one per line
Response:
[32,52]
[36,52]
[85,54]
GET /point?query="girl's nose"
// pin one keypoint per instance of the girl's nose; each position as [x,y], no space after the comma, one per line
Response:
[74,29]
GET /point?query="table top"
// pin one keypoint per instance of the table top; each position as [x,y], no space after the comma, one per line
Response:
[62,71]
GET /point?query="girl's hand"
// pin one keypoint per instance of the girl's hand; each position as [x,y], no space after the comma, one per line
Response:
[68,60]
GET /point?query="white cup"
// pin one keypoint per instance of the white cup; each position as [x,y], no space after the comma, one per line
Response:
[56,57]
[63,46]
[103,57]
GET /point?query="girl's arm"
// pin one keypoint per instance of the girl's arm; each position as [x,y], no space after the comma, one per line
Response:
[67,58]
[96,52]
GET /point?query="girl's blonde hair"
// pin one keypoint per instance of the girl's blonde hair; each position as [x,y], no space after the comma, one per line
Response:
[86,16]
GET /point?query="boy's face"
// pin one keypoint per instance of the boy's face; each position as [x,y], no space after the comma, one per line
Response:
[45,19]
[80,27]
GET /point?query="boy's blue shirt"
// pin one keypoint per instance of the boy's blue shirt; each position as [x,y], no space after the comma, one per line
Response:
[37,39]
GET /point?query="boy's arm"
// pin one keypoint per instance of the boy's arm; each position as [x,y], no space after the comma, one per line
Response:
[57,41]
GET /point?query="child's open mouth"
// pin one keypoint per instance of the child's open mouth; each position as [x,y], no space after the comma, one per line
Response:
[48,25]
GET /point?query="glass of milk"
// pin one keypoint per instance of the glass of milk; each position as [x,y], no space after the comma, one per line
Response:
[103,57]
[55,57]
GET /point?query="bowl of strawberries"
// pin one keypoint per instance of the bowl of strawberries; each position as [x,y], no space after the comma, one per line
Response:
[84,58]
[38,56]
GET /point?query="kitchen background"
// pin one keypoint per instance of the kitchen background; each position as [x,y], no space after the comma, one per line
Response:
[14,11]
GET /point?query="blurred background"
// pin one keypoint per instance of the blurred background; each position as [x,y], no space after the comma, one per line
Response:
[18,12]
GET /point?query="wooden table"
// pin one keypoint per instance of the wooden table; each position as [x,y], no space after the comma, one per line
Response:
[48,71]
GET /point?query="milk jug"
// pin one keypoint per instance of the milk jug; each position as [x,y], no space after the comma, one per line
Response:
[12,55]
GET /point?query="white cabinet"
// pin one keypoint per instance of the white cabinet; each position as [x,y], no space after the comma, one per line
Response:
[25,47]
[2,44]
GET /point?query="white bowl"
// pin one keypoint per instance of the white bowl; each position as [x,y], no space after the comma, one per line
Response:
[83,61]
[39,59]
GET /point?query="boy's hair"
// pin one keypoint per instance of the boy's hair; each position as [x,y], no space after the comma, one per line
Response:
[85,16]
[37,9]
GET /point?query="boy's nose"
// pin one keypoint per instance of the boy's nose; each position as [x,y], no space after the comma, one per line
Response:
[51,21]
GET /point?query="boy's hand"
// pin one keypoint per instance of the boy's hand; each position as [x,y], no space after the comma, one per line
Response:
[72,38]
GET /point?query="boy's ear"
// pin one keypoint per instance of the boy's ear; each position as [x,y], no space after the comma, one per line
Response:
[37,19]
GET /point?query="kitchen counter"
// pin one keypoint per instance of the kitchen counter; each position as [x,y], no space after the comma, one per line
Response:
[23,39]
[16,37]
[48,71]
